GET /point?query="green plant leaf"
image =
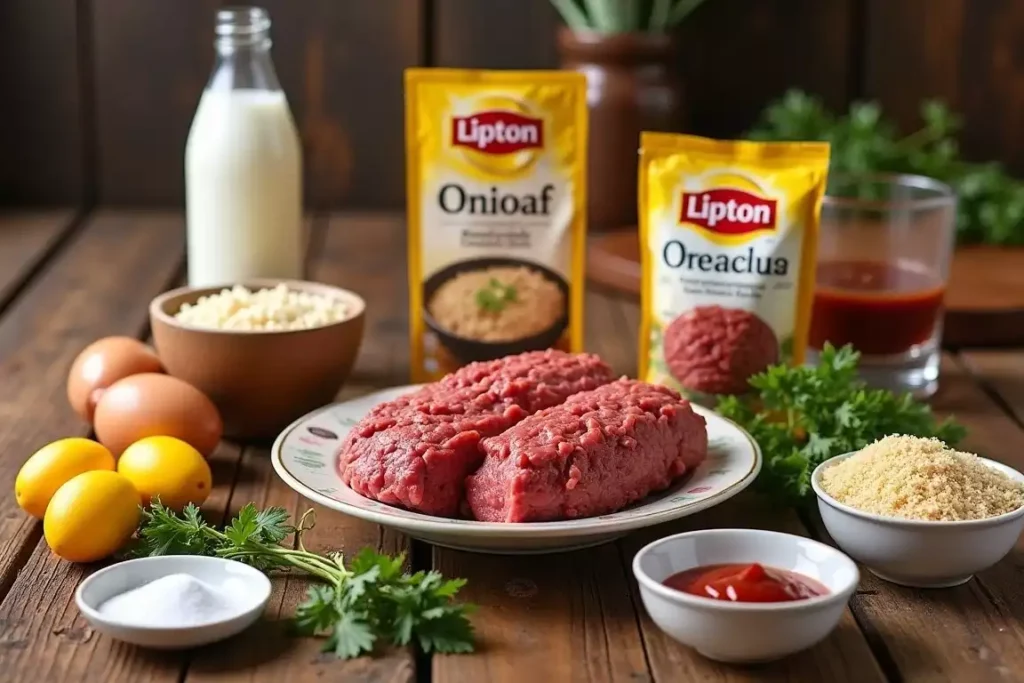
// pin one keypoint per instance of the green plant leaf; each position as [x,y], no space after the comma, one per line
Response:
[352,635]
[991,204]
[602,15]
[682,9]
[355,606]
[801,416]
[318,612]
[659,15]
[572,14]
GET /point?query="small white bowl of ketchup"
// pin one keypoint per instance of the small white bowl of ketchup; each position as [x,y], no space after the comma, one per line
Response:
[744,595]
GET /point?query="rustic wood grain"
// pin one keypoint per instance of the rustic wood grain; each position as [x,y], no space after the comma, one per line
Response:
[268,652]
[564,617]
[986,279]
[735,56]
[543,620]
[498,34]
[346,256]
[631,326]
[45,638]
[843,656]
[152,61]
[966,53]
[26,239]
[573,616]
[996,381]
[912,51]
[41,137]
[144,62]
[972,632]
[350,106]
[75,652]
[100,284]
[730,59]
[340,64]
[1002,372]
[242,658]
[613,261]
[992,89]
[608,332]
[365,252]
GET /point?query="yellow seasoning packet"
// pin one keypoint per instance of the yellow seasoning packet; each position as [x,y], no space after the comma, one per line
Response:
[496,196]
[728,237]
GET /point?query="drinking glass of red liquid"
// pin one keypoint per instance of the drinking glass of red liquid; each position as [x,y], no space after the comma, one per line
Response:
[883,264]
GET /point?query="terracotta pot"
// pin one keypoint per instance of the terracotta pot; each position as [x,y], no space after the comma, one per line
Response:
[631,88]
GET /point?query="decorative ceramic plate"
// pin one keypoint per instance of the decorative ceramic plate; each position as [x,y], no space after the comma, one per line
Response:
[304,455]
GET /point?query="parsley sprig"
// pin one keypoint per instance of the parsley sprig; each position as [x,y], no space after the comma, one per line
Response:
[495,296]
[802,416]
[990,202]
[371,600]
[377,599]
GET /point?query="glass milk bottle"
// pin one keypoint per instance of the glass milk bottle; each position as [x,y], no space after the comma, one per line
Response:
[243,164]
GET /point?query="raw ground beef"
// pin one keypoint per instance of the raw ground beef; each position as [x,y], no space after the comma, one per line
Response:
[596,453]
[417,450]
[714,350]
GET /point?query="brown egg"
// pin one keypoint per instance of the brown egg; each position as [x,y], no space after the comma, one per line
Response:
[156,405]
[101,364]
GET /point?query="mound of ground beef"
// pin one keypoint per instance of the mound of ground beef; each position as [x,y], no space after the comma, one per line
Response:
[714,350]
[417,450]
[595,453]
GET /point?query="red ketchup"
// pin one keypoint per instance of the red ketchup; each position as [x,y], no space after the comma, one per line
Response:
[745,583]
[880,308]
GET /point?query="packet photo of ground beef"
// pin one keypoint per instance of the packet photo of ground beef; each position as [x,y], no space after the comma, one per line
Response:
[496,164]
[728,234]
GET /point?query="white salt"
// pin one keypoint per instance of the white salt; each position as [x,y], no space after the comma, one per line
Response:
[172,601]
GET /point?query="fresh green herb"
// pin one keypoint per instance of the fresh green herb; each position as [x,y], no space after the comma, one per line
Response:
[495,296]
[620,16]
[370,601]
[990,203]
[379,600]
[802,416]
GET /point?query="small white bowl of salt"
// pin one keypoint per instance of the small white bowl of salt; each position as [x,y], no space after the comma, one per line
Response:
[173,602]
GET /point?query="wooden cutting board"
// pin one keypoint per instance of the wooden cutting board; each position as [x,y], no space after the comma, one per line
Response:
[984,300]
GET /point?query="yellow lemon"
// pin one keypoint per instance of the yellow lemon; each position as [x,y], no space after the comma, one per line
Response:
[91,516]
[167,468]
[52,466]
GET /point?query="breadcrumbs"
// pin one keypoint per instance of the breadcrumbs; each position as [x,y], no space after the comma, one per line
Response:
[915,478]
[276,309]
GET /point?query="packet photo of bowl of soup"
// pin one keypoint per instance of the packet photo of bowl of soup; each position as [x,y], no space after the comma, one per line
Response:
[495,306]
[496,198]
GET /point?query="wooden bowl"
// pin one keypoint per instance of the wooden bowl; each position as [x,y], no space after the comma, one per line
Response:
[260,381]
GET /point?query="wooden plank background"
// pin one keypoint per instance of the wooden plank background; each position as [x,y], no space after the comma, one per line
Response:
[42,123]
[99,94]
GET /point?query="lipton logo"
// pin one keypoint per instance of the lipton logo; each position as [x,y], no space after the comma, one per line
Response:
[728,211]
[497,132]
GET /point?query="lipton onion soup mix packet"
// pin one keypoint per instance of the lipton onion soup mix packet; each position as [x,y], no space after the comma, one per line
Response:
[728,234]
[496,165]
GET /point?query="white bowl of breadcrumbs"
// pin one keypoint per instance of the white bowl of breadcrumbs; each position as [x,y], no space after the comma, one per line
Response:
[919,513]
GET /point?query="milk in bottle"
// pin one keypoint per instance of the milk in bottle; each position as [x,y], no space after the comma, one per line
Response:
[243,164]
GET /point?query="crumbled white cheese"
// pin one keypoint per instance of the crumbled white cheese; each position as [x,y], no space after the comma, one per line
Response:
[274,309]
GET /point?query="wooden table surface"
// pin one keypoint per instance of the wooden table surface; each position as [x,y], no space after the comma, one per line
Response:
[67,279]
